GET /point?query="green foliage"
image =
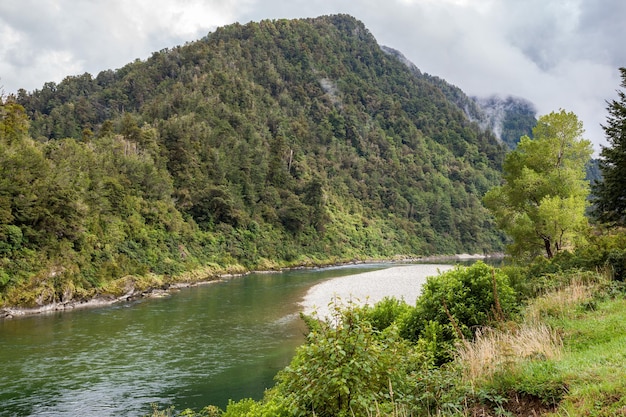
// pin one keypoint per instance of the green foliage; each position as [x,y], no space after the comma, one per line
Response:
[241,408]
[539,381]
[616,262]
[610,194]
[519,121]
[440,391]
[591,367]
[344,354]
[543,200]
[344,368]
[14,122]
[282,140]
[602,252]
[454,304]
[386,312]
[11,238]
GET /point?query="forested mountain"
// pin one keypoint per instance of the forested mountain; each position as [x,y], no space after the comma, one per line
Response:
[507,118]
[271,143]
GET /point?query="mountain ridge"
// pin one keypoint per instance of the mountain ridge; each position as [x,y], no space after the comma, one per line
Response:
[280,142]
[508,117]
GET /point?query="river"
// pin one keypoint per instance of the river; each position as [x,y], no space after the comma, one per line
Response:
[202,345]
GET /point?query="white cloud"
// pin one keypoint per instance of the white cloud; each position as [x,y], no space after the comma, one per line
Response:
[46,41]
[555,53]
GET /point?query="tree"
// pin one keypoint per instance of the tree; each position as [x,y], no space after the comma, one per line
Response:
[13,121]
[610,193]
[542,203]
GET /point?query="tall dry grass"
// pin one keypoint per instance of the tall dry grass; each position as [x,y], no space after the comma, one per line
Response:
[494,349]
[557,303]
[497,349]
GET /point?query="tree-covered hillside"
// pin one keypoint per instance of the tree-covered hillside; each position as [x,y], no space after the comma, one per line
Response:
[271,143]
[507,118]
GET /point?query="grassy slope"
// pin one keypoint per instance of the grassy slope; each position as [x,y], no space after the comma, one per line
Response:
[588,377]
[593,365]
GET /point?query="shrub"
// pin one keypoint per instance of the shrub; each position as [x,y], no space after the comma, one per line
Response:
[385,312]
[344,368]
[460,301]
[616,264]
[241,408]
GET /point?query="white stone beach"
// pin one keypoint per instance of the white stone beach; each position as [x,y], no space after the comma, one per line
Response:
[403,282]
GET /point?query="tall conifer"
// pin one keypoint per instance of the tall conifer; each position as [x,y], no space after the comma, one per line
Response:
[610,192]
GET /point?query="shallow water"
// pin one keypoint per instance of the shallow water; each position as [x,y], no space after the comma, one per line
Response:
[200,346]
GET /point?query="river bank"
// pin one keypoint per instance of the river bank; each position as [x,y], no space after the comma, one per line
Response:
[202,345]
[133,288]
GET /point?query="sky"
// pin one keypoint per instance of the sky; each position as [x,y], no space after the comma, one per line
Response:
[558,54]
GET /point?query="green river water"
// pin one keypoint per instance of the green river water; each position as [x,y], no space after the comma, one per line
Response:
[202,345]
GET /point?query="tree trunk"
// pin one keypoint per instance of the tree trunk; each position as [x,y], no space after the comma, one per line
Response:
[548,245]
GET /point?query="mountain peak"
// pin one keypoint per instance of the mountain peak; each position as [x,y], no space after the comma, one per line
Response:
[508,118]
[280,140]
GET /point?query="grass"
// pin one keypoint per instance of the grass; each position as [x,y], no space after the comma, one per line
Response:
[494,350]
[595,361]
[569,352]
[561,301]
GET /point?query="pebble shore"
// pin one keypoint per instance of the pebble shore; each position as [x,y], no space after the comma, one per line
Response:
[403,282]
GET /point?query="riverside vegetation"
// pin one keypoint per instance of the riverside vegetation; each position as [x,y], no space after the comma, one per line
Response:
[540,336]
[300,142]
[541,339]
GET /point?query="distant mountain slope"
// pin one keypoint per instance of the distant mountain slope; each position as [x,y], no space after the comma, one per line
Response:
[454,94]
[508,118]
[283,140]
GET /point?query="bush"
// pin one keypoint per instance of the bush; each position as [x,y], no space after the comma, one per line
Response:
[385,312]
[606,250]
[616,264]
[11,238]
[460,301]
[538,379]
[240,408]
[272,405]
[344,368]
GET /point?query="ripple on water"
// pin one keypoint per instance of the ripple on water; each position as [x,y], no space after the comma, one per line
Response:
[202,346]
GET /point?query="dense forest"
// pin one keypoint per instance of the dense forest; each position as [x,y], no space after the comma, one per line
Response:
[263,145]
[542,335]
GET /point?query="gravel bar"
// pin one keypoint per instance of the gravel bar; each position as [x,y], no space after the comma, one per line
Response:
[403,282]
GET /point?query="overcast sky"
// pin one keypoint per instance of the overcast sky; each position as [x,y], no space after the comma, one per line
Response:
[555,53]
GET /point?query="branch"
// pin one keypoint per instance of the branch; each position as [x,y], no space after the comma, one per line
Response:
[498,308]
[458,331]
